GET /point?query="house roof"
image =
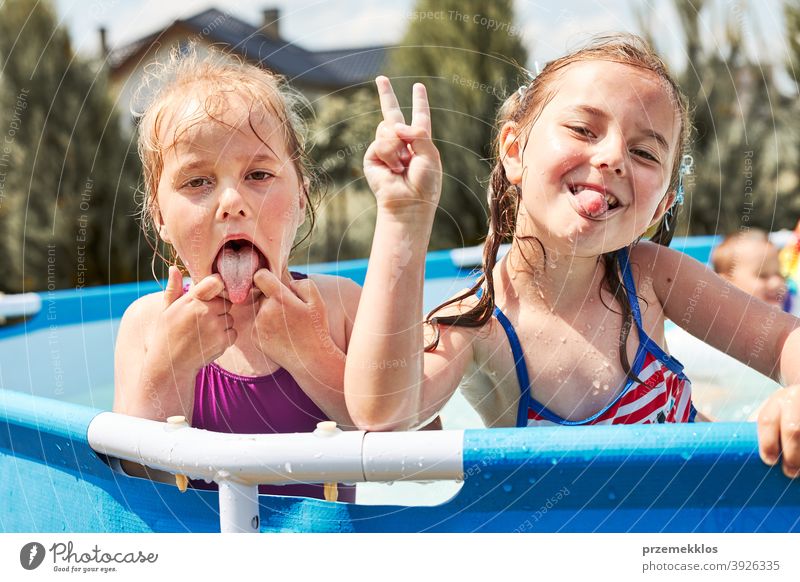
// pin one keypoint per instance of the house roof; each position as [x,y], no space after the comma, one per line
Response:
[325,69]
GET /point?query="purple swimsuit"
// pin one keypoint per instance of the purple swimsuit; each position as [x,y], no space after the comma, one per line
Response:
[229,403]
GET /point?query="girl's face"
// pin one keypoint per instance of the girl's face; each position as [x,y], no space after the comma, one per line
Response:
[756,270]
[221,182]
[595,167]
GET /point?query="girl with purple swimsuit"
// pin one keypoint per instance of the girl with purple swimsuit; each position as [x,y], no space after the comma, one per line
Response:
[249,347]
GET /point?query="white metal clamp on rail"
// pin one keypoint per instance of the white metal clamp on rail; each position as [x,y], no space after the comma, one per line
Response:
[238,463]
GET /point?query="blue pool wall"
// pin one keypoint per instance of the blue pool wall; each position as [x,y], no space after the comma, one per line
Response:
[678,478]
[682,478]
[81,306]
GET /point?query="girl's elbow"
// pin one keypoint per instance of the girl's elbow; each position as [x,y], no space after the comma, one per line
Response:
[380,421]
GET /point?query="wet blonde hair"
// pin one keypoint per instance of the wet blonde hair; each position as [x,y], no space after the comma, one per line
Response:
[523,107]
[214,78]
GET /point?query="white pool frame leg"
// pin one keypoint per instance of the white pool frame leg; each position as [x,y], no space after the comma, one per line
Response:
[238,507]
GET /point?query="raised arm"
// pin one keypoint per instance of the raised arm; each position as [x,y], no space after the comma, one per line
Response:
[720,314]
[385,368]
[758,335]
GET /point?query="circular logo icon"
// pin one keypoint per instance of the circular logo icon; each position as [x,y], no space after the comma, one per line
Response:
[31,555]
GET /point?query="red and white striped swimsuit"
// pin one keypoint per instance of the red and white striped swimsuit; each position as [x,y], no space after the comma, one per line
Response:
[665,394]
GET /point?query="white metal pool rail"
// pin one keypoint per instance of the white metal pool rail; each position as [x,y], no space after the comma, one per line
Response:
[238,463]
[19,305]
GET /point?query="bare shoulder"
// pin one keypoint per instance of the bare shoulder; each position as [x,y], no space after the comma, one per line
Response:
[459,333]
[666,268]
[341,297]
[655,263]
[338,292]
[131,346]
[458,306]
[683,285]
[135,327]
[143,311]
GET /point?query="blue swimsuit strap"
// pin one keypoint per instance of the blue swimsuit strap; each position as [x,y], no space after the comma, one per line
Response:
[519,364]
[526,400]
[630,289]
[633,299]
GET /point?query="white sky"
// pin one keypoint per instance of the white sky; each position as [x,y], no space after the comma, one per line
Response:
[548,28]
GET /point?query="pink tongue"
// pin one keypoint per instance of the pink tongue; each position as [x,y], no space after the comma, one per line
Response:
[237,269]
[591,202]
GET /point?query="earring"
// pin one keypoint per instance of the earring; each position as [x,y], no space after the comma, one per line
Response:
[668,217]
[687,163]
[686,166]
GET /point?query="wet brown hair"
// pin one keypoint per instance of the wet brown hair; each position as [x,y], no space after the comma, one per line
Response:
[523,108]
[214,78]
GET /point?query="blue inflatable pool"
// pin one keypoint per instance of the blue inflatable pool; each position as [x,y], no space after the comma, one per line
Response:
[56,377]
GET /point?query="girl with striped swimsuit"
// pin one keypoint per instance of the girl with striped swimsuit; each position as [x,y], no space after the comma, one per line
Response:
[568,327]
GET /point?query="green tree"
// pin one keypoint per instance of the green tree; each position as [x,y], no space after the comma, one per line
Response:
[741,178]
[341,131]
[69,172]
[469,54]
[791,11]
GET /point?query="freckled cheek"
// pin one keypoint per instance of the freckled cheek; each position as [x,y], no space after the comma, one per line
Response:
[649,190]
[564,154]
[280,222]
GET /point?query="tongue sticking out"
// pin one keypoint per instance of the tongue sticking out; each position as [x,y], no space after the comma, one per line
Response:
[591,202]
[237,267]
